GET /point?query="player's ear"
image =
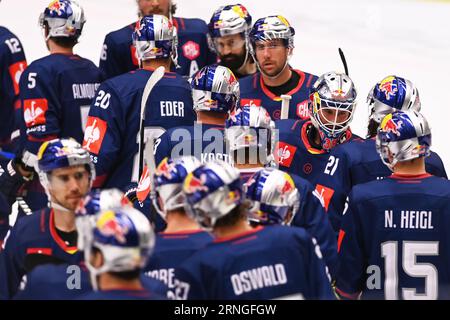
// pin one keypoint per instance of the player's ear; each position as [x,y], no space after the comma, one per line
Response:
[97,259]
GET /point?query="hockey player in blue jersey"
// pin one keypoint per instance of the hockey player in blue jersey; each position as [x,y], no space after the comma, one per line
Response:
[279,198]
[303,146]
[215,93]
[228,37]
[48,235]
[117,245]
[112,129]
[70,281]
[55,94]
[244,262]
[13,63]
[119,55]
[271,46]
[250,134]
[183,236]
[394,238]
[357,161]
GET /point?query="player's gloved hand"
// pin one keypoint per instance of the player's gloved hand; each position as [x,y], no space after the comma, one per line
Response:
[12,178]
[131,193]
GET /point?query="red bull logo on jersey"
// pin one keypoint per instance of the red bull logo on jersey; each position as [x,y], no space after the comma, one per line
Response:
[389,87]
[388,125]
[193,184]
[108,225]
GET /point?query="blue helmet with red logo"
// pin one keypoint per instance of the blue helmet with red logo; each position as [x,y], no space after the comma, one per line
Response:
[403,136]
[64,18]
[169,178]
[124,237]
[250,127]
[228,20]
[273,195]
[391,94]
[94,202]
[61,153]
[215,88]
[213,190]
[155,37]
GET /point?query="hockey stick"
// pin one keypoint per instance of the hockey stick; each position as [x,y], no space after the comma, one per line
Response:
[344,62]
[285,98]
[152,81]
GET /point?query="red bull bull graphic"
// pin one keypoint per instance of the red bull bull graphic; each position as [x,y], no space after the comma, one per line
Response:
[165,168]
[389,87]
[193,184]
[108,225]
[388,125]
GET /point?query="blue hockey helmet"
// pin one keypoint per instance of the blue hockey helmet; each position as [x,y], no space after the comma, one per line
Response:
[125,238]
[213,190]
[391,94]
[403,136]
[228,20]
[215,88]
[155,37]
[169,178]
[64,18]
[273,196]
[250,127]
[93,203]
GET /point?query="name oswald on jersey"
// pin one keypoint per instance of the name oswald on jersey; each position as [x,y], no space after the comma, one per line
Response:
[258,278]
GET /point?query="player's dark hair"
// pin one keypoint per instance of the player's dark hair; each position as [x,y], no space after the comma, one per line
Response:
[372,128]
[65,42]
[127,275]
[234,216]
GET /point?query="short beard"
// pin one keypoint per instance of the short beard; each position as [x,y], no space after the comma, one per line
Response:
[235,63]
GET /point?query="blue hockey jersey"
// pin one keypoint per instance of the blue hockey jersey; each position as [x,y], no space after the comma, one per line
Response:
[204,141]
[254,92]
[358,162]
[264,263]
[119,55]
[171,249]
[56,92]
[112,129]
[124,294]
[12,65]
[68,282]
[294,154]
[394,242]
[56,282]
[310,216]
[33,240]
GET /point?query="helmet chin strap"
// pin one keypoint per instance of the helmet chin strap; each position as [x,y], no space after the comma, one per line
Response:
[59,207]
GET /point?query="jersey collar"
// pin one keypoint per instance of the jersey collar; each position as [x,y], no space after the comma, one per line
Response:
[268,93]
[57,238]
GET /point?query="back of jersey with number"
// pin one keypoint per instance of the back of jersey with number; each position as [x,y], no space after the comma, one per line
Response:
[394,242]
[119,55]
[56,92]
[12,65]
[112,129]
[354,163]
